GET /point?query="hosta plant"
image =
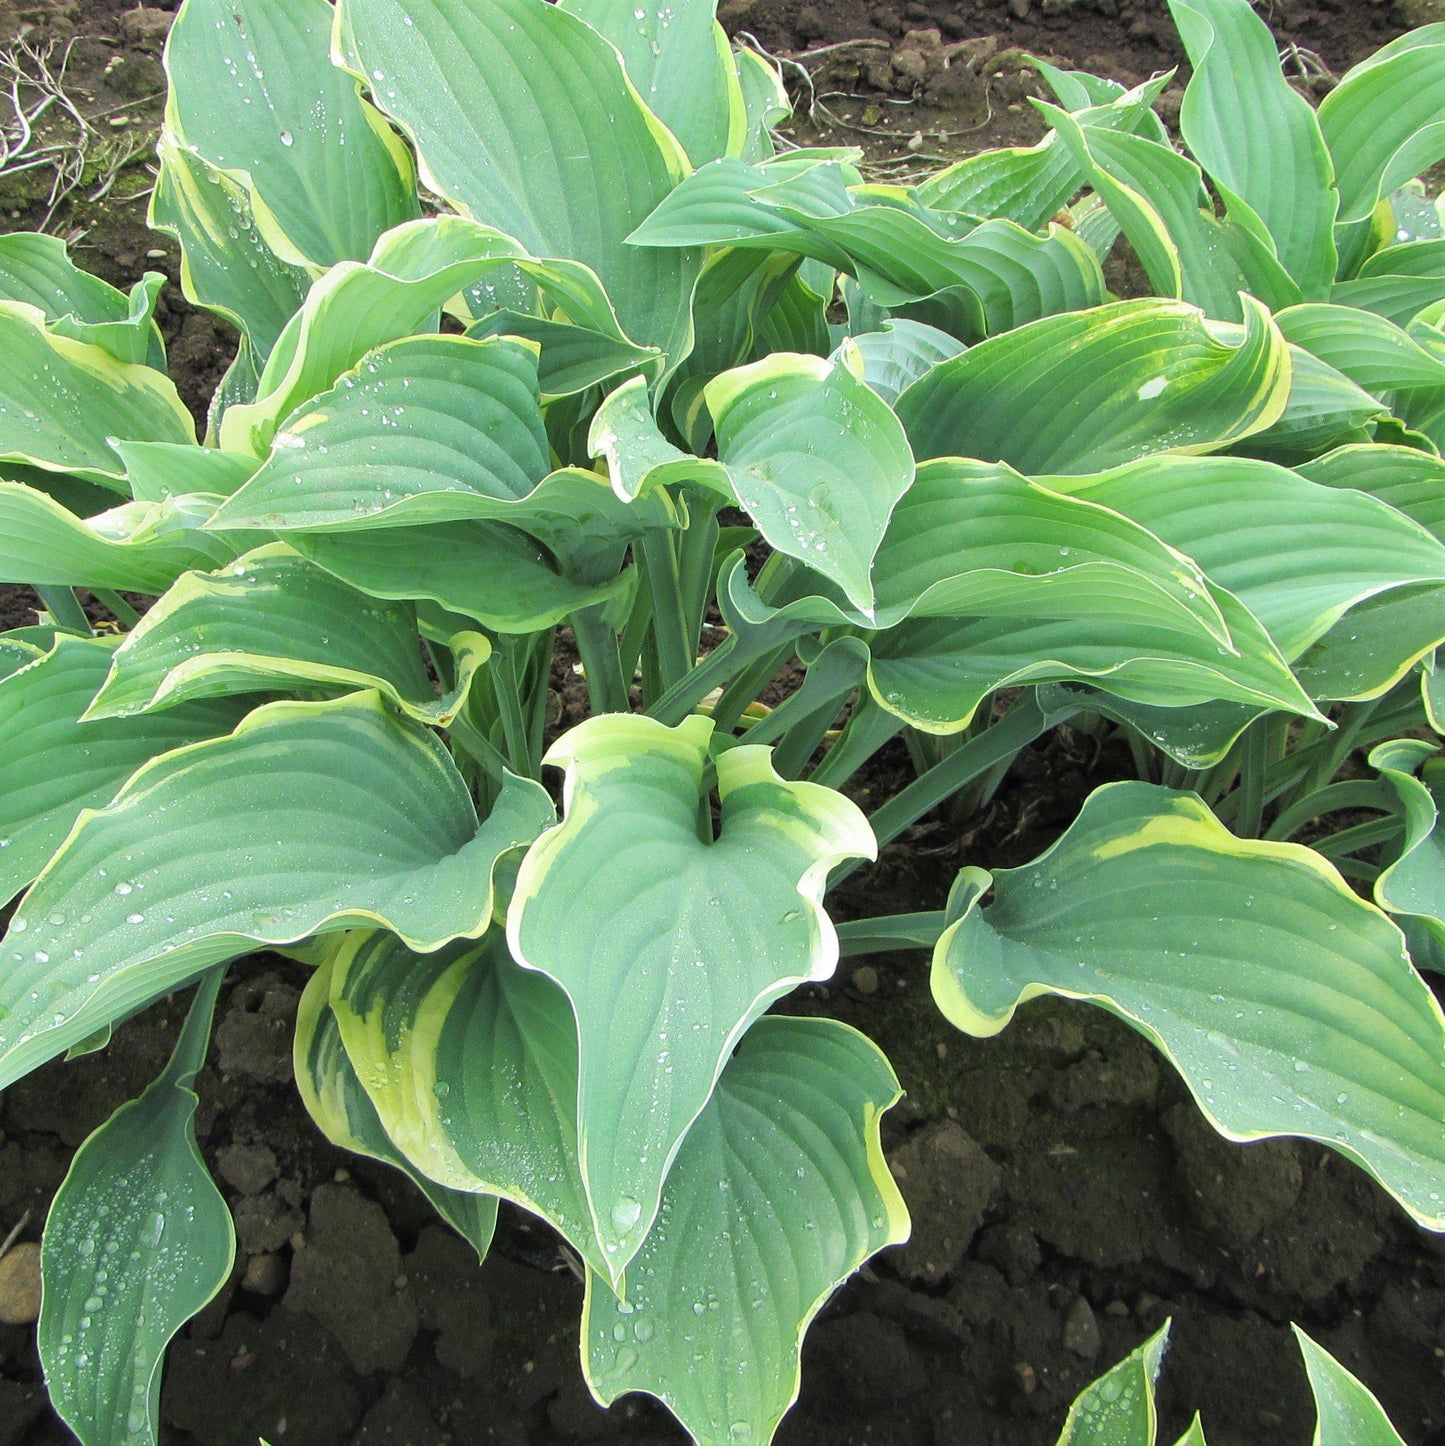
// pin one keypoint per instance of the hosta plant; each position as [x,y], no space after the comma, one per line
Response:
[541,338]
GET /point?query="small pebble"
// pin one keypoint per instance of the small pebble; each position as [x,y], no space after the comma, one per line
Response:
[117,121]
[265,1275]
[20,1285]
[865,979]
[1081,1330]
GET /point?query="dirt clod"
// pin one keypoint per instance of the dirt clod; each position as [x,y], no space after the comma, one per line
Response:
[345,1278]
[145,27]
[20,1284]
[264,1223]
[250,1168]
[1233,1191]
[949,1182]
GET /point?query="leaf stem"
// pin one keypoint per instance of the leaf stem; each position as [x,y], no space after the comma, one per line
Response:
[123,612]
[1024,722]
[669,618]
[866,731]
[1356,793]
[889,932]
[601,663]
[506,686]
[62,605]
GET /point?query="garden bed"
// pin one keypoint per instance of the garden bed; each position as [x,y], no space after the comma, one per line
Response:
[1067,1196]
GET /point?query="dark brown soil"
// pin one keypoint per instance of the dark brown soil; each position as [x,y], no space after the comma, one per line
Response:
[1066,1194]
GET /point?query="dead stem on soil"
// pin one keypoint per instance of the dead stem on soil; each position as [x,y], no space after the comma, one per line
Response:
[14,1234]
[906,170]
[34,83]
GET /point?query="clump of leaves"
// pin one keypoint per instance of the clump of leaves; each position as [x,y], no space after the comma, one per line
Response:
[981,497]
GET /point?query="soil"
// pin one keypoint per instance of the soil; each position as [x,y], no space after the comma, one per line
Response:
[1066,1194]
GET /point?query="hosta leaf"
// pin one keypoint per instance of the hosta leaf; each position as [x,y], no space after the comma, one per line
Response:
[254,93]
[524,118]
[1119,1409]
[1288,1005]
[1198,736]
[978,278]
[735,292]
[483,570]
[353,308]
[414,431]
[779,1193]
[765,102]
[334,1098]
[1155,195]
[1374,645]
[137,1241]
[157,471]
[570,358]
[1296,555]
[139,546]
[798,319]
[1031,185]
[1324,409]
[625,435]
[727,202]
[896,356]
[64,400]
[37,269]
[1348,1413]
[817,459]
[1257,137]
[678,59]
[367,821]
[1374,353]
[210,213]
[1397,282]
[238,387]
[81,499]
[1413,887]
[1411,481]
[1385,121]
[1089,390]
[935,672]
[52,766]
[669,943]
[974,539]
[828,505]
[459,423]
[274,620]
[471,1065]
[17,653]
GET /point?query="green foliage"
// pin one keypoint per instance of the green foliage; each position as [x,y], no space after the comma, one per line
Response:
[988,499]
[1119,1408]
